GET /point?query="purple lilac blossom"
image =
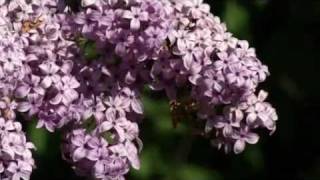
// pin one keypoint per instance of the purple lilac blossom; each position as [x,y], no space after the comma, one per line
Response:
[173,45]
[15,154]
[92,155]
[16,160]
[222,71]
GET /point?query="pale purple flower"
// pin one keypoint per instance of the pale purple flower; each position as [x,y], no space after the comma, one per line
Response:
[95,109]
[226,125]
[256,112]
[224,61]
[5,126]
[98,149]
[11,60]
[182,37]
[133,99]
[114,169]
[48,119]
[242,137]
[116,106]
[262,72]
[136,15]
[236,74]
[259,112]
[50,70]
[189,53]
[123,41]
[70,114]
[214,81]
[197,7]
[156,37]
[31,105]
[66,91]
[118,150]
[31,84]
[124,128]
[245,50]
[80,142]
[20,170]
[84,22]
[203,37]
[13,144]
[194,72]
[52,31]
[132,154]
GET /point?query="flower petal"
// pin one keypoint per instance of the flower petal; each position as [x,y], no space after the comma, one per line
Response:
[79,153]
[135,24]
[239,146]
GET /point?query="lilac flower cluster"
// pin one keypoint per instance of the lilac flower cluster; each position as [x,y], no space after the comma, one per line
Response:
[28,48]
[135,29]
[15,152]
[103,140]
[83,72]
[219,71]
[102,157]
[16,160]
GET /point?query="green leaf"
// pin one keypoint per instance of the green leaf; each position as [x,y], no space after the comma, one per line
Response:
[90,50]
[192,172]
[237,19]
[109,137]
[89,124]
[39,137]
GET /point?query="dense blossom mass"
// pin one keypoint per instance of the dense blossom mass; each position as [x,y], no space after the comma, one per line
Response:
[81,68]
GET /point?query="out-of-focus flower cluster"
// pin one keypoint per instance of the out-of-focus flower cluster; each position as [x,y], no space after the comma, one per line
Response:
[81,68]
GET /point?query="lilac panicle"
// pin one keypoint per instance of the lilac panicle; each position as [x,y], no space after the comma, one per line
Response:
[83,72]
[16,160]
[222,71]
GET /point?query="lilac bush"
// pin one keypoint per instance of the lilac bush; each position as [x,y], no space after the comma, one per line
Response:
[82,70]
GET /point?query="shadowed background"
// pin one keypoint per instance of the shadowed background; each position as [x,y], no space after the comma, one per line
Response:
[286,35]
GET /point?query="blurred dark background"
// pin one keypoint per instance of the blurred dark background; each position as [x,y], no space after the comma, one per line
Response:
[286,35]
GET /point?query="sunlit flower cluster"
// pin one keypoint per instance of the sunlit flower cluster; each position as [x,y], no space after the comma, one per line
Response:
[81,68]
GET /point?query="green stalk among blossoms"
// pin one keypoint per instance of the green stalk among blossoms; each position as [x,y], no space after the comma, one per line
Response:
[81,68]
